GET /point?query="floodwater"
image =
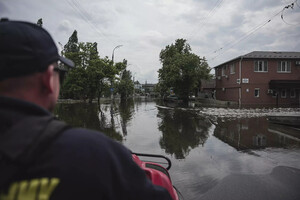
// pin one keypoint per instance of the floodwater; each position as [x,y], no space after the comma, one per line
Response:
[204,144]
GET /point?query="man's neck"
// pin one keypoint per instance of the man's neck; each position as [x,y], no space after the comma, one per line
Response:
[29,97]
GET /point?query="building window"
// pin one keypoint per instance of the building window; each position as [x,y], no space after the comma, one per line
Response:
[261,66]
[232,69]
[284,66]
[256,92]
[283,93]
[293,93]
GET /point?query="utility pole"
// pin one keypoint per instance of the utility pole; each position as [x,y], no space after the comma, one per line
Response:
[113,53]
[112,59]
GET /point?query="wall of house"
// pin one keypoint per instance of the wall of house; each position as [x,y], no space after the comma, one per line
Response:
[226,82]
[227,88]
[260,80]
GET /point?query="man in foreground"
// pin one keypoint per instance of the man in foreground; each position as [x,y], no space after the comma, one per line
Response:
[40,157]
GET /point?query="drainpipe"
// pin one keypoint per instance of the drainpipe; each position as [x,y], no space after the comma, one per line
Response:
[240,88]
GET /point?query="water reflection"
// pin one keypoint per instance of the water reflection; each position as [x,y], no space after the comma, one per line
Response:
[90,116]
[254,133]
[79,115]
[126,111]
[210,152]
[114,118]
[181,131]
[107,122]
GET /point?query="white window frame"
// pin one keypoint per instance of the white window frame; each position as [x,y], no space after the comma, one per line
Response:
[261,66]
[294,91]
[232,68]
[284,67]
[256,89]
[283,96]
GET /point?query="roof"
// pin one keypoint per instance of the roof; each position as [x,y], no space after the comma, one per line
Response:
[267,54]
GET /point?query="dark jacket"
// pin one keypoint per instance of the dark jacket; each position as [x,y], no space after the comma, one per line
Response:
[76,164]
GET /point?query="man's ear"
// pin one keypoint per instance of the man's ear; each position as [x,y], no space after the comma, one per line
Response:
[48,80]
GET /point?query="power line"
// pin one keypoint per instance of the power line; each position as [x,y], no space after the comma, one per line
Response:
[86,17]
[246,35]
[235,42]
[297,3]
[287,7]
[210,14]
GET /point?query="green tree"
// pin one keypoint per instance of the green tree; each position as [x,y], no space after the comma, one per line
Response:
[71,49]
[75,84]
[202,73]
[181,70]
[93,76]
[125,86]
[40,22]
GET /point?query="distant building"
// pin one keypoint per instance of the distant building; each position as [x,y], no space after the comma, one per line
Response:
[207,88]
[260,78]
[148,89]
[137,86]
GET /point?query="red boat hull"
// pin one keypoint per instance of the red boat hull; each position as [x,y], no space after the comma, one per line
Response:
[157,174]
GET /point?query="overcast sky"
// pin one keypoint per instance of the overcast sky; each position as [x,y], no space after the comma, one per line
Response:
[217,29]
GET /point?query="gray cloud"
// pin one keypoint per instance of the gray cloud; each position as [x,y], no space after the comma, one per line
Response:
[2,8]
[65,25]
[146,27]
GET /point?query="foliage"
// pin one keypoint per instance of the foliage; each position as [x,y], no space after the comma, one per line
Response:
[71,49]
[125,86]
[93,76]
[182,70]
[40,22]
[74,86]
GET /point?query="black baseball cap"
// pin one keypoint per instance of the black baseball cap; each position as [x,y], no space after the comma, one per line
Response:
[26,48]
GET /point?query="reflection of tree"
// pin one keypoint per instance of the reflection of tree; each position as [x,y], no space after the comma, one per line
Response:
[126,110]
[85,116]
[109,129]
[182,131]
[79,115]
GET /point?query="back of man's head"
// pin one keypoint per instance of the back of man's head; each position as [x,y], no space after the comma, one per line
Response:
[26,48]
[28,56]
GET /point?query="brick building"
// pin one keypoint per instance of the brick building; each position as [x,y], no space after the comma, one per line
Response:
[260,78]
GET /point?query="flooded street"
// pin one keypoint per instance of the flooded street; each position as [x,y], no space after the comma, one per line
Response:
[204,144]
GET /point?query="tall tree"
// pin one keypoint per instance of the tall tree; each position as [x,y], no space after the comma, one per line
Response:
[93,76]
[75,84]
[72,45]
[40,22]
[181,70]
[71,49]
[125,86]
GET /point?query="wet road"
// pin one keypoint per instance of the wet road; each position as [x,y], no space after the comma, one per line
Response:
[204,144]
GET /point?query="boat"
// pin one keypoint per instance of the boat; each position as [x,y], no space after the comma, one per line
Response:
[172,98]
[158,174]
